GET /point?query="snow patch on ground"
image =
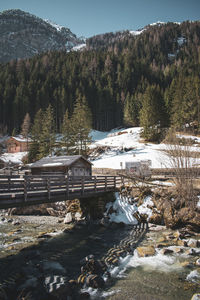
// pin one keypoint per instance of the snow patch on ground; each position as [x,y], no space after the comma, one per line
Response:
[144,208]
[125,146]
[123,211]
[15,158]
[122,145]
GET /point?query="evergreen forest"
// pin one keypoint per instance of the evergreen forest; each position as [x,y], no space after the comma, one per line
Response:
[149,80]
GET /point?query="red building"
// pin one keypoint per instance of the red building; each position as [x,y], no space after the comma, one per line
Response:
[17,144]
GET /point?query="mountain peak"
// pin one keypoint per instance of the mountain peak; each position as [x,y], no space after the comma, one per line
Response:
[23,35]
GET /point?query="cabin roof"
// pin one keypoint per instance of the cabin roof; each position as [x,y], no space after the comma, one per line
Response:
[19,138]
[55,161]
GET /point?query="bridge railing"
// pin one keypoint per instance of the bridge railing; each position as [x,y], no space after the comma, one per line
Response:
[35,187]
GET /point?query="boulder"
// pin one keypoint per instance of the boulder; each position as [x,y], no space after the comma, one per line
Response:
[162,245]
[192,251]
[146,251]
[178,250]
[182,243]
[193,243]
[197,262]
[186,264]
[156,218]
[16,222]
[166,251]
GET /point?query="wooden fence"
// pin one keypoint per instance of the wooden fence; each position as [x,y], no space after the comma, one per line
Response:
[28,190]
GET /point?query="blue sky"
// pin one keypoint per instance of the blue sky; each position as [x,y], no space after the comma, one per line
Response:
[90,17]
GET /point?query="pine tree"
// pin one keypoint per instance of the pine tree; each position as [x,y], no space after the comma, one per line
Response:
[152,115]
[81,123]
[47,136]
[67,135]
[130,111]
[35,135]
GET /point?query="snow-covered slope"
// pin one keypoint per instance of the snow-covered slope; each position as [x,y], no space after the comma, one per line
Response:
[120,146]
[124,145]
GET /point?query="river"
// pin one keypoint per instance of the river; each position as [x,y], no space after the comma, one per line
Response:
[26,245]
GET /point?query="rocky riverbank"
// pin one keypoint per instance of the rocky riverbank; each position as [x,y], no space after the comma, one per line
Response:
[165,266]
[73,256]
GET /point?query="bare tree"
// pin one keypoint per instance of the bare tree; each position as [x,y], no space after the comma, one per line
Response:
[183,160]
[25,128]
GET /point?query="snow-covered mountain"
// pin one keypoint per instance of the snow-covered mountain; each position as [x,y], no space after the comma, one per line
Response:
[23,35]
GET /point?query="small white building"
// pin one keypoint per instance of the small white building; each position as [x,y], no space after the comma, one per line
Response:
[140,168]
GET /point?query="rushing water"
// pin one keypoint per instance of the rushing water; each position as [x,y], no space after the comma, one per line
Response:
[159,277]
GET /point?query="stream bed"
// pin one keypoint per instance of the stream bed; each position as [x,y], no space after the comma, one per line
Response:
[30,246]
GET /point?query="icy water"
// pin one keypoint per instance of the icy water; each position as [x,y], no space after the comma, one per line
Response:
[155,278]
[160,277]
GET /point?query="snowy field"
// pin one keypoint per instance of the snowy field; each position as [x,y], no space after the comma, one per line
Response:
[120,141]
[121,145]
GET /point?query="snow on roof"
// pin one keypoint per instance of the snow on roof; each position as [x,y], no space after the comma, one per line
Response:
[52,161]
[15,158]
[21,139]
[52,164]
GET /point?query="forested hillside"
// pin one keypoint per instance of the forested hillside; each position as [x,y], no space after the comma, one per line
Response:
[148,79]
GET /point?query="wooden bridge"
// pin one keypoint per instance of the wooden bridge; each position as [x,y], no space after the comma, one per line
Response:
[27,190]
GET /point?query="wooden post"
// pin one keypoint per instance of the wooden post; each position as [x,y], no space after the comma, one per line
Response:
[25,188]
[9,182]
[82,185]
[49,188]
[67,187]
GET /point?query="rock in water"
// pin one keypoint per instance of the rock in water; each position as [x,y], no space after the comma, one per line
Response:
[146,251]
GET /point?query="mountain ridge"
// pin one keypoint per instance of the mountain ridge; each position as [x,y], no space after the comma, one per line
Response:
[23,35]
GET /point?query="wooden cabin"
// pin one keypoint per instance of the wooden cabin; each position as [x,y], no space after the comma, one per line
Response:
[74,165]
[17,144]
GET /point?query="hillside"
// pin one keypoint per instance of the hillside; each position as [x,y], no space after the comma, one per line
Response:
[112,149]
[147,78]
[23,35]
